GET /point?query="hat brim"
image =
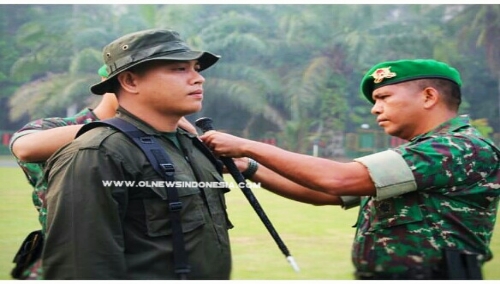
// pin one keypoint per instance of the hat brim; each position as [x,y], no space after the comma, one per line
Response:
[205,59]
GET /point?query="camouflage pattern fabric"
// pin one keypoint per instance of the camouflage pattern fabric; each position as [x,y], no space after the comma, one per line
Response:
[34,171]
[454,206]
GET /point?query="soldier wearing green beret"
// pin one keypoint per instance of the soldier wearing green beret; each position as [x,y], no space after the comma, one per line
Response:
[106,217]
[427,208]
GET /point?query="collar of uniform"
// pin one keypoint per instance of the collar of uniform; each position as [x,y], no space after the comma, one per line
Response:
[447,127]
[184,132]
[142,125]
[137,122]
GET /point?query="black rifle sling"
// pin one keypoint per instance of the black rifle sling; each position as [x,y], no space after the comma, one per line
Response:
[162,163]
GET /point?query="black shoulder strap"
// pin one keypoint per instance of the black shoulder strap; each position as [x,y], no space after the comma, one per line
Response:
[209,154]
[162,164]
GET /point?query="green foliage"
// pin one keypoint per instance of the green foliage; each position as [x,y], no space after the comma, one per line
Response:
[482,126]
[332,110]
[282,65]
[481,25]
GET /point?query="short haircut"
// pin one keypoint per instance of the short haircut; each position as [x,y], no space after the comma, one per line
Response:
[448,89]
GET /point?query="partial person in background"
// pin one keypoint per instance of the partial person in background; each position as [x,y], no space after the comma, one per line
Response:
[32,145]
[428,207]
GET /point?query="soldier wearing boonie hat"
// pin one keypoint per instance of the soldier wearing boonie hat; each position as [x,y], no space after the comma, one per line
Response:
[427,207]
[125,231]
[136,48]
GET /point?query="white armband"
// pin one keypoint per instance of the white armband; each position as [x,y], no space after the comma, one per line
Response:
[390,173]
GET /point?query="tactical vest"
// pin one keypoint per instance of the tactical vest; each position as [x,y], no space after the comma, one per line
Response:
[164,166]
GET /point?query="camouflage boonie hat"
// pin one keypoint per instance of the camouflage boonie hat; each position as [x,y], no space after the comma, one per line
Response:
[139,47]
[394,72]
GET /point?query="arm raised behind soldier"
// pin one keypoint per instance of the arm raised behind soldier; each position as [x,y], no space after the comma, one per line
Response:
[40,145]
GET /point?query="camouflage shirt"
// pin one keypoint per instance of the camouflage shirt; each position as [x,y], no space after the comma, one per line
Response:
[439,190]
[34,171]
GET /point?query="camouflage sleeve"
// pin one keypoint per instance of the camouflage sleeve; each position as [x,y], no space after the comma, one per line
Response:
[390,174]
[83,117]
[447,164]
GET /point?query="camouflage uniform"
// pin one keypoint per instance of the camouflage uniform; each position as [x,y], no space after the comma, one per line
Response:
[124,232]
[439,190]
[34,171]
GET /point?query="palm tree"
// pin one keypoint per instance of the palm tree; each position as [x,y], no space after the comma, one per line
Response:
[63,52]
[481,24]
[57,65]
[55,91]
[245,81]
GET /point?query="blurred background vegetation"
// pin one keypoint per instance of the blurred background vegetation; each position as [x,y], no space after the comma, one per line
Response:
[289,74]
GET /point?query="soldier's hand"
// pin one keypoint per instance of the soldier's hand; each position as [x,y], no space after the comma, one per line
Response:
[223,144]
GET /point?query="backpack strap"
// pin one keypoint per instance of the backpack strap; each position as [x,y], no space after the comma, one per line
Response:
[163,165]
[209,154]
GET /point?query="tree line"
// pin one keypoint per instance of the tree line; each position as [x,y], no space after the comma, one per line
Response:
[287,72]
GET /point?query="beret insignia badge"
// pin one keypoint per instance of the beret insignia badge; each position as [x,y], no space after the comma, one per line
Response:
[382,73]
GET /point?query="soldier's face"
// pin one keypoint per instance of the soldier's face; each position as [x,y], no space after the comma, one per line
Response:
[172,87]
[399,109]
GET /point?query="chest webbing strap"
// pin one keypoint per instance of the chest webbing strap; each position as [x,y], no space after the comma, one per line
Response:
[163,165]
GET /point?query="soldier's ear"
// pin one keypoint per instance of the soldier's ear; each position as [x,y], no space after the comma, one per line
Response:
[128,82]
[430,96]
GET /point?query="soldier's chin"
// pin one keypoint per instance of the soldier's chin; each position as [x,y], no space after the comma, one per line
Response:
[390,131]
[395,133]
[193,109]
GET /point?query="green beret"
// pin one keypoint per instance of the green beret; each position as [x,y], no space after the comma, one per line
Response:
[394,72]
[103,72]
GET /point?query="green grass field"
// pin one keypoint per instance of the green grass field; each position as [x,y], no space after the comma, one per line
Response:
[319,238]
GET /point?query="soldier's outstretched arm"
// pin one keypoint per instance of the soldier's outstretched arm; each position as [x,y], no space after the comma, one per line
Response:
[319,174]
[284,187]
